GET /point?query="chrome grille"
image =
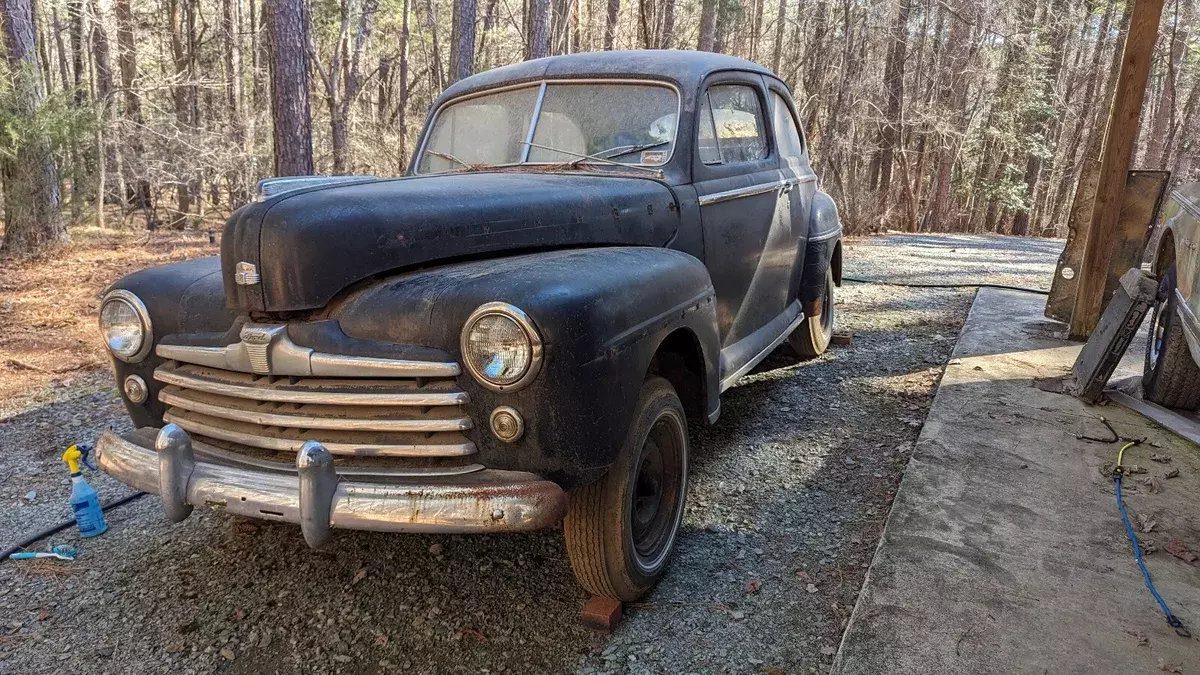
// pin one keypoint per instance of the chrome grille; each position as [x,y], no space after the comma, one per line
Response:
[365,417]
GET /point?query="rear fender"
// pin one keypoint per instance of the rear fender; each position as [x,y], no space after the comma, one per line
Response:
[824,249]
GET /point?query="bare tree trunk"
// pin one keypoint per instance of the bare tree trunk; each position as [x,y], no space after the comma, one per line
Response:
[402,102]
[1164,117]
[33,220]
[238,181]
[667,37]
[134,157]
[539,29]
[462,41]
[708,26]
[780,24]
[893,84]
[287,22]
[1038,124]
[184,96]
[610,24]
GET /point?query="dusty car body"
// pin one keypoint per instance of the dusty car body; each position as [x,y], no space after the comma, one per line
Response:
[1172,369]
[585,252]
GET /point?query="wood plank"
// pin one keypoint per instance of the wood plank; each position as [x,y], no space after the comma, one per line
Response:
[1118,149]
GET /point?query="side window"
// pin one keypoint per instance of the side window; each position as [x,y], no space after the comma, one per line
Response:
[730,115]
[786,134]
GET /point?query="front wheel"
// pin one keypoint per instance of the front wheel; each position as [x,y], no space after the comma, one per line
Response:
[620,530]
[811,338]
[1171,377]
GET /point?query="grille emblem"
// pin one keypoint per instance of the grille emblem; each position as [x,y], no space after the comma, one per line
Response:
[245,274]
[257,340]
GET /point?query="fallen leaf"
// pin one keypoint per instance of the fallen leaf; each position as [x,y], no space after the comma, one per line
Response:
[44,614]
[1142,640]
[435,549]
[811,588]
[359,576]
[1169,667]
[1146,522]
[752,586]
[1180,550]
[1154,483]
[828,650]
[381,640]
[802,574]
[1173,473]
[175,647]
[226,653]
[1161,459]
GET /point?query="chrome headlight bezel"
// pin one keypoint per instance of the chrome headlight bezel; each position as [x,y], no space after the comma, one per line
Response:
[526,325]
[139,308]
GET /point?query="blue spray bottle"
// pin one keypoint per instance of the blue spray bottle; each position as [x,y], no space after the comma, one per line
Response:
[84,502]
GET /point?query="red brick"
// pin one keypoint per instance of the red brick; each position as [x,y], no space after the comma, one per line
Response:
[601,613]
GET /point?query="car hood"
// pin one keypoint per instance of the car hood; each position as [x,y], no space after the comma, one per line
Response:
[308,245]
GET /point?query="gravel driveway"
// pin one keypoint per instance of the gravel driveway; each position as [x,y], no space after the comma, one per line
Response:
[788,498]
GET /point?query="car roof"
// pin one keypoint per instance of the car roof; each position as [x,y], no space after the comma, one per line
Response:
[683,67]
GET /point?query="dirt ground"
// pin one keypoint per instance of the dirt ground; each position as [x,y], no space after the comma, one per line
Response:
[789,492]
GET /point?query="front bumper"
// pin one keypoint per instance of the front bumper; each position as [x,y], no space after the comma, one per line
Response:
[319,497]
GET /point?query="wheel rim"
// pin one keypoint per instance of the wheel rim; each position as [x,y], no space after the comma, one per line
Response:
[657,495]
[1158,334]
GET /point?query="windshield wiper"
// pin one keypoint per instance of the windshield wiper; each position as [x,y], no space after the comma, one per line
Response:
[452,158]
[628,149]
[595,158]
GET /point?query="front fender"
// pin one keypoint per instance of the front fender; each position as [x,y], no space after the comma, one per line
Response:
[182,297]
[601,313]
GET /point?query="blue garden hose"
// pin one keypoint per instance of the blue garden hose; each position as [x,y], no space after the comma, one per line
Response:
[1172,620]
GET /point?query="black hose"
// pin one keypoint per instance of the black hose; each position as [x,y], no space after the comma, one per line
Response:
[904,285]
[64,525]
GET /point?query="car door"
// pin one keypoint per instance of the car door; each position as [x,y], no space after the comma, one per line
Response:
[745,216]
[797,174]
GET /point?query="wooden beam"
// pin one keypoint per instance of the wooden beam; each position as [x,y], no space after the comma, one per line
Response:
[1123,124]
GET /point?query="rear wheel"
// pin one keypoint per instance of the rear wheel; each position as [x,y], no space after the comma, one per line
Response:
[1171,378]
[811,338]
[620,530]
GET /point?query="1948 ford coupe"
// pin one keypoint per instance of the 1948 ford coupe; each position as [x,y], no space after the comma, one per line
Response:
[585,252]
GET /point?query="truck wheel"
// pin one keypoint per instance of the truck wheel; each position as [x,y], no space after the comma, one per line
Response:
[1171,378]
[811,338]
[621,529]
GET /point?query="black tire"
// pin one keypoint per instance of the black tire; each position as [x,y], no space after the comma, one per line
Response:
[811,338]
[1171,377]
[619,534]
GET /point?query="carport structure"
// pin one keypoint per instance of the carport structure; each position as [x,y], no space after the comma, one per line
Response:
[1005,551]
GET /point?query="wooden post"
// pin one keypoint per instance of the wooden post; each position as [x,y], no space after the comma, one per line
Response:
[1118,148]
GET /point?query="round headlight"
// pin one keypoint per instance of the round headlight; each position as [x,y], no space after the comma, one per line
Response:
[125,325]
[501,347]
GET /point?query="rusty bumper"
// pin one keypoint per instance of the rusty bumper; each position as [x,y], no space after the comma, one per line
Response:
[319,496]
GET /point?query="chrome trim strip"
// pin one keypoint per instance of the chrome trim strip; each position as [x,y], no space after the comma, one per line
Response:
[533,122]
[294,445]
[738,193]
[313,422]
[326,398]
[281,356]
[534,83]
[482,501]
[1187,204]
[1190,323]
[828,235]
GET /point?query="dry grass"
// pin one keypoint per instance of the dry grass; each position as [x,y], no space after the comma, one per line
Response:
[48,304]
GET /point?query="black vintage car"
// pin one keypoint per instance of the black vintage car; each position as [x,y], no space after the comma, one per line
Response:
[586,251]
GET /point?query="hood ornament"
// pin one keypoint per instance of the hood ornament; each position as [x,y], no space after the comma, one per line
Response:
[245,274]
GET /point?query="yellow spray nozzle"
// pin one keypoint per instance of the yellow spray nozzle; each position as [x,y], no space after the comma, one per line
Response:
[72,457]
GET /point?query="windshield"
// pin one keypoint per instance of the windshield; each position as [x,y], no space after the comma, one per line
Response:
[601,123]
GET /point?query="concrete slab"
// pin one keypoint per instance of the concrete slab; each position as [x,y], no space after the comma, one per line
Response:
[1004,551]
